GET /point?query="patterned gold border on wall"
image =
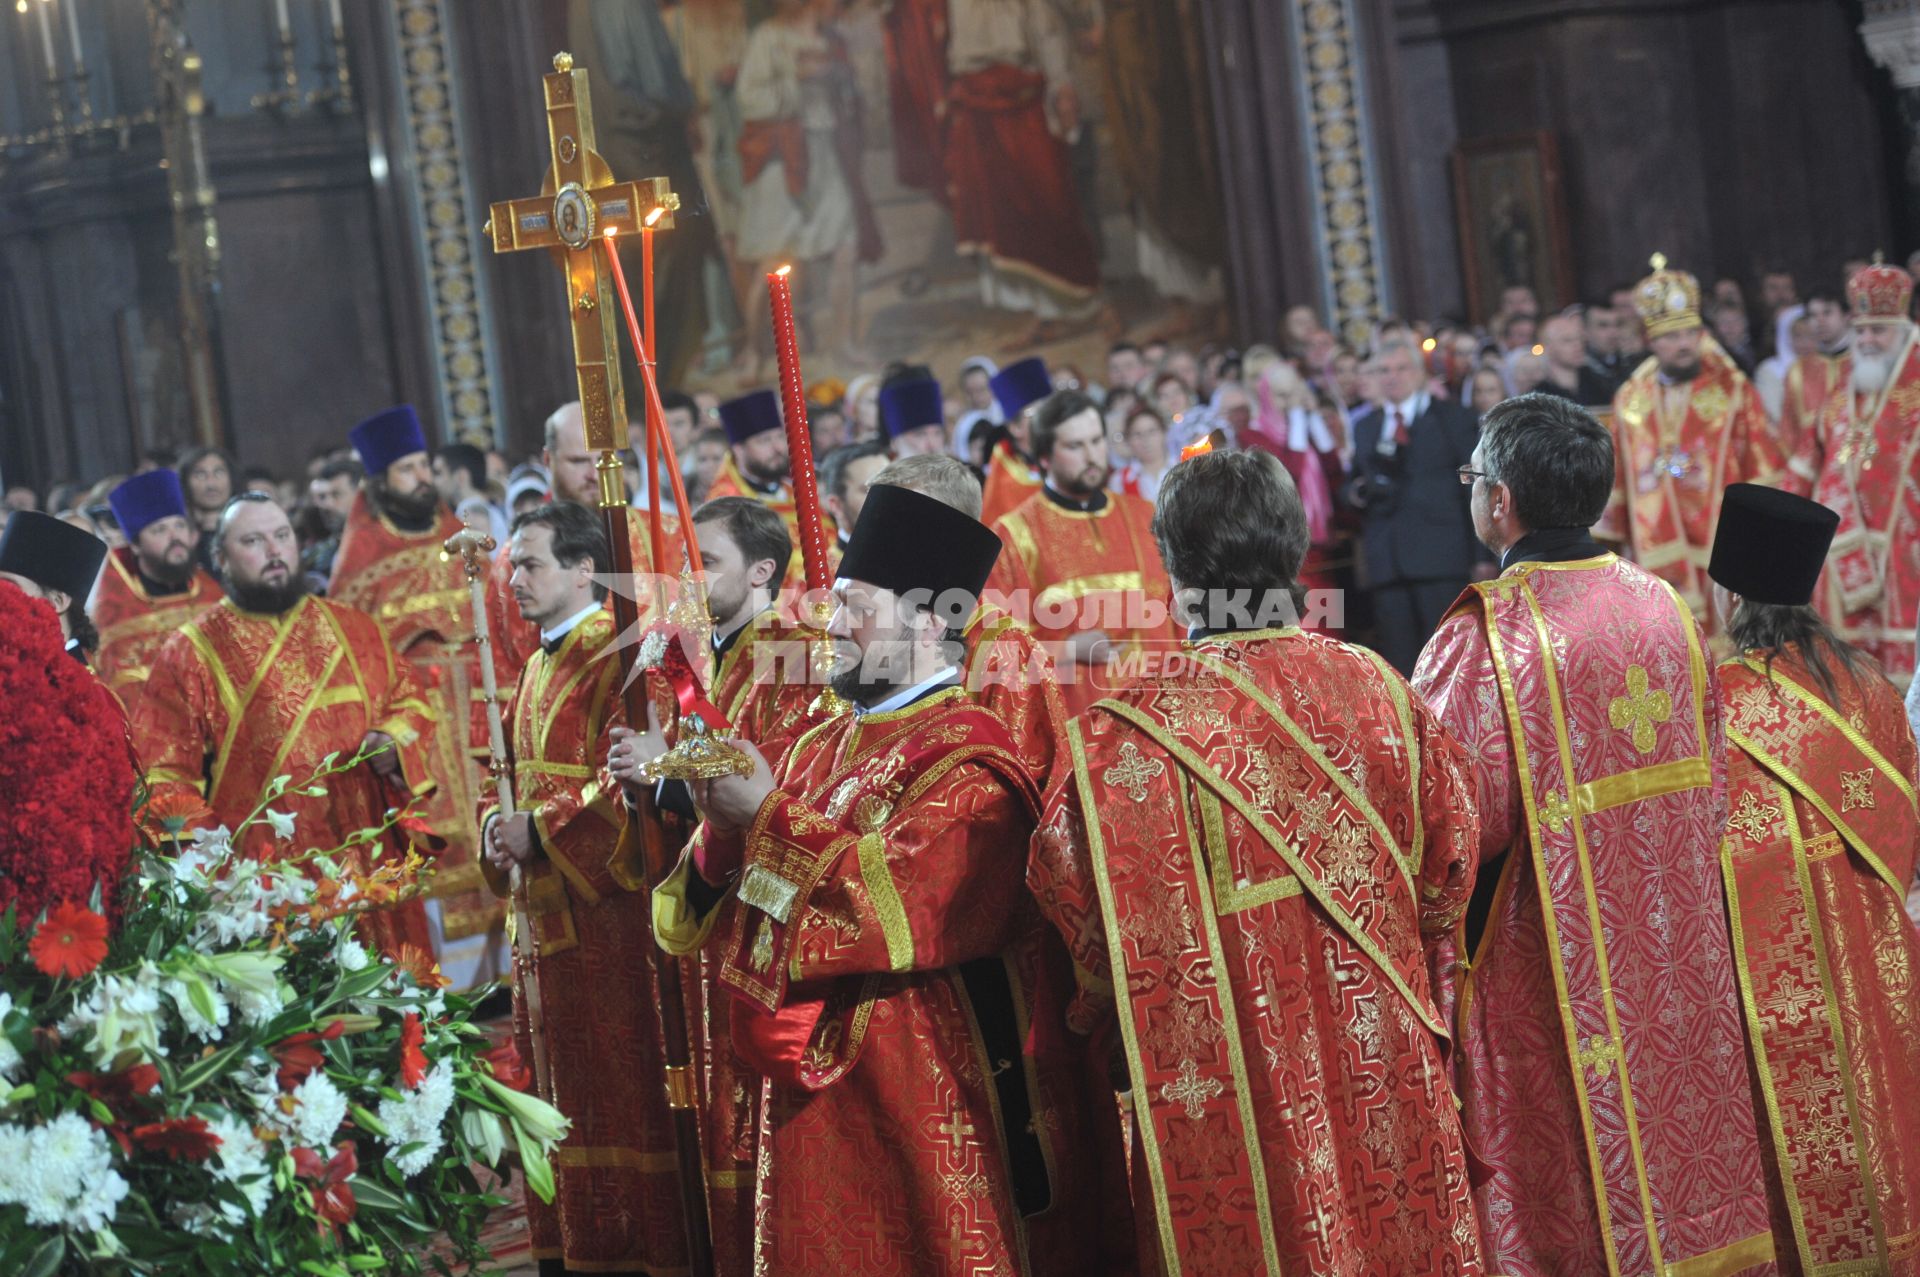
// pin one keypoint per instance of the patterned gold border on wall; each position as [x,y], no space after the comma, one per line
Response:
[447,235]
[1328,67]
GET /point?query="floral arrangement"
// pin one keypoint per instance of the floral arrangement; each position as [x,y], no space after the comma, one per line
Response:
[229,1083]
[65,767]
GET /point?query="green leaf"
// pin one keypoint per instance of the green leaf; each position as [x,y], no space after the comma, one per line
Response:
[372,1193]
[46,1260]
[205,1070]
[202,998]
[367,1121]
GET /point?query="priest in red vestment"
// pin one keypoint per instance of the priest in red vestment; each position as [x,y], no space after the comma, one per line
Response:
[270,682]
[896,990]
[1598,1023]
[1819,850]
[757,464]
[1858,459]
[1815,375]
[1250,861]
[575,479]
[151,586]
[583,1001]
[1012,476]
[1082,561]
[1686,424]
[392,565]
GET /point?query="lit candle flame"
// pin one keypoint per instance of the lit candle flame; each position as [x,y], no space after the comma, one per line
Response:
[1200,449]
[609,232]
[655,216]
[784,270]
[1539,350]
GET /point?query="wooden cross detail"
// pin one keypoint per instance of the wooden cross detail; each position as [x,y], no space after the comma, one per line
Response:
[1597,1055]
[579,202]
[1639,709]
[1556,811]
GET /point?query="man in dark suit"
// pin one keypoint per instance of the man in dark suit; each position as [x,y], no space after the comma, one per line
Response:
[1419,548]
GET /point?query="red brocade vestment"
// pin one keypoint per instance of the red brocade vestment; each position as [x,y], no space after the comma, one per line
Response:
[1601,1060]
[1671,463]
[922,1109]
[1010,481]
[1084,570]
[134,624]
[617,1204]
[1819,850]
[418,593]
[1857,457]
[1250,858]
[238,698]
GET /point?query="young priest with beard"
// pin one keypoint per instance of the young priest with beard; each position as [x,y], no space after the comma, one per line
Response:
[152,585]
[391,565]
[897,992]
[757,463]
[268,683]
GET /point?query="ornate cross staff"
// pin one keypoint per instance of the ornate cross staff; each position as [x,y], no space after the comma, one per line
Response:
[473,549]
[579,202]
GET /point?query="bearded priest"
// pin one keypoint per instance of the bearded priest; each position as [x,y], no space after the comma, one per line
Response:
[151,586]
[1819,851]
[757,464]
[1686,424]
[1598,1021]
[269,682]
[1858,460]
[392,565]
[897,992]
[1250,858]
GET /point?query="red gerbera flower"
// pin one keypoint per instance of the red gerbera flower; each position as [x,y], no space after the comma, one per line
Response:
[508,1068]
[71,942]
[184,1139]
[419,964]
[332,1198]
[413,1061]
[298,1056]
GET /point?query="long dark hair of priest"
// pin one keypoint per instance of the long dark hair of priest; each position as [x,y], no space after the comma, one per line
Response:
[1767,629]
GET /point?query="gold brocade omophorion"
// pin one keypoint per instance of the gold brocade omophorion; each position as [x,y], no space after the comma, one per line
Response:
[617,1207]
[1820,847]
[135,624]
[419,595]
[1249,860]
[238,698]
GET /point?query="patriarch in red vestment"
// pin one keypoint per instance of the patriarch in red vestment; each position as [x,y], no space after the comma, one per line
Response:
[270,682]
[151,586]
[1250,859]
[1598,1024]
[1858,457]
[896,991]
[1685,425]
[1012,476]
[1081,560]
[391,564]
[584,982]
[1819,850]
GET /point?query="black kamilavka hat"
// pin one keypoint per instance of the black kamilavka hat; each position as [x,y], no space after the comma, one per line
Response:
[51,553]
[906,541]
[1770,545]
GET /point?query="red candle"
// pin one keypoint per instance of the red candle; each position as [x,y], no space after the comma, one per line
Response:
[793,399]
[655,426]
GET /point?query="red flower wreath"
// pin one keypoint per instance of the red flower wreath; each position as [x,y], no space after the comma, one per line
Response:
[65,767]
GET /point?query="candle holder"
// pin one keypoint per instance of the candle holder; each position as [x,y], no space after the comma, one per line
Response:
[287,71]
[337,96]
[697,754]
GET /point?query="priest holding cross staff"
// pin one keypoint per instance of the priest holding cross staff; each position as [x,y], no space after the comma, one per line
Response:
[614,1211]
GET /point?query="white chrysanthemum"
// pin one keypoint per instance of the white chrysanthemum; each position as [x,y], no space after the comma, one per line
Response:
[241,1160]
[318,1110]
[9,1056]
[416,1118]
[15,1165]
[198,1024]
[350,953]
[70,1180]
[257,1009]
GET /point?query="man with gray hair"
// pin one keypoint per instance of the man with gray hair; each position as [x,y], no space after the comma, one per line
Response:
[1858,459]
[1580,686]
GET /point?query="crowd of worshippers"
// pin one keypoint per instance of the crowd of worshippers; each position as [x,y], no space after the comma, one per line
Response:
[1567,928]
[1335,413]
